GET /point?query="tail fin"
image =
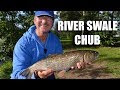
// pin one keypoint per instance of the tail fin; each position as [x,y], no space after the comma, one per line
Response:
[26,73]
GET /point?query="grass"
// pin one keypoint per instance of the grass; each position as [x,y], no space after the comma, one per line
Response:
[109,55]
[6,69]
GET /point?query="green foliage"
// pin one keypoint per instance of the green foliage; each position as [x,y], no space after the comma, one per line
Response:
[71,15]
[107,38]
[5,70]
[10,30]
[67,44]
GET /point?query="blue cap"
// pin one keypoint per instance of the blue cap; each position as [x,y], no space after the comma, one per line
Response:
[41,13]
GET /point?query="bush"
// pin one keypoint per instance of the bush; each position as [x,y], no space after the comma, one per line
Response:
[5,70]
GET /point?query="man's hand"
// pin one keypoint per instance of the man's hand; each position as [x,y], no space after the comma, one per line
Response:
[44,74]
[81,64]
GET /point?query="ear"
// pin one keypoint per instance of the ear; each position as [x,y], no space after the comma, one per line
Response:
[34,19]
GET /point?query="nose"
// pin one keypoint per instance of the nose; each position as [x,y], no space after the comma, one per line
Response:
[44,20]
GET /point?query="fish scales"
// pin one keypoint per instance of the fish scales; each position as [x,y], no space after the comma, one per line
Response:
[60,62]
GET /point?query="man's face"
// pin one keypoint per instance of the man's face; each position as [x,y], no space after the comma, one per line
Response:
[43,23]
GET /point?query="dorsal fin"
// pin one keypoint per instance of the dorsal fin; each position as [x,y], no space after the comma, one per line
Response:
[53,55]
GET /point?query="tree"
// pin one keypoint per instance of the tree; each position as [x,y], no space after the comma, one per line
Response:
[107,38]
[10,30]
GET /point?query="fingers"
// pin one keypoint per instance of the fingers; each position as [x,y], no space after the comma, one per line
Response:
[48,72]
[41,74]
[45,74]
[72,67]
[82,64]
[79,65]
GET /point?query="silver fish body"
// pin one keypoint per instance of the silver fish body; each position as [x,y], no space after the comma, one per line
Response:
[60,62]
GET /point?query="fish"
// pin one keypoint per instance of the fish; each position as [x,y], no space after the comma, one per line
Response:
[59,62]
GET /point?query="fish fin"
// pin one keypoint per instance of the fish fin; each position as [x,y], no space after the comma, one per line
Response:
[26,73]
[52,55]
[61,73]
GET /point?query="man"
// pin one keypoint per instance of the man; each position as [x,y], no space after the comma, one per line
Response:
[35,44]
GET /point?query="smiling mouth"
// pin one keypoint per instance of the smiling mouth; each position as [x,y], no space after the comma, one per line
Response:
[44,25]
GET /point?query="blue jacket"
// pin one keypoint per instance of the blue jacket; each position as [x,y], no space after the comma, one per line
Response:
[29,49]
